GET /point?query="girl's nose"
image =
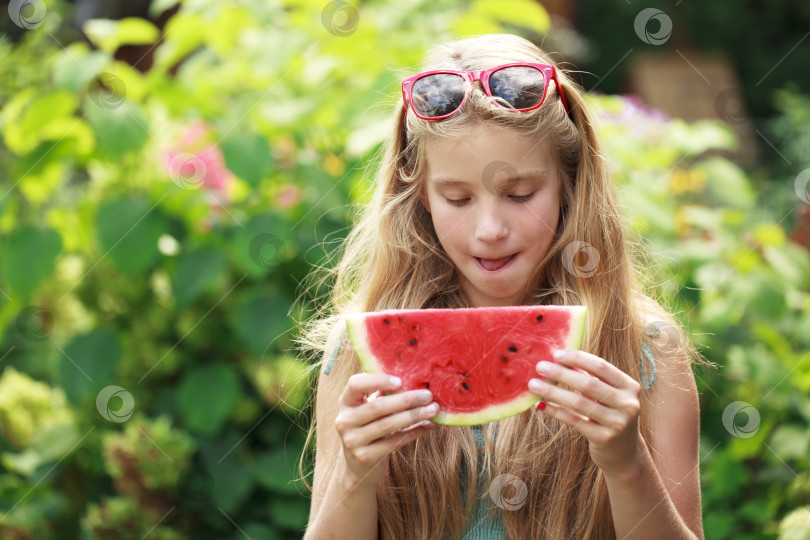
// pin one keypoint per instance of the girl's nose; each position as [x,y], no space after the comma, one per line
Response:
[491,224]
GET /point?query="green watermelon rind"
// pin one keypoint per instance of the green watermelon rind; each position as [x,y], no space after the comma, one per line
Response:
[357,335]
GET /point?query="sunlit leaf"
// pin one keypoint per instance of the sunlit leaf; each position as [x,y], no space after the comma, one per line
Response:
[108,34]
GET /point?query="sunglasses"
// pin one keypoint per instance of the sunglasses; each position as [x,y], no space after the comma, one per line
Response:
[434,95]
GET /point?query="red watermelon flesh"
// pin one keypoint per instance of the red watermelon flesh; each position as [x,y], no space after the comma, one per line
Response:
[477,362]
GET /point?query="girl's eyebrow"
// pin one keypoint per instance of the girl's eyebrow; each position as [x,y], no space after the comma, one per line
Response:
[534,174]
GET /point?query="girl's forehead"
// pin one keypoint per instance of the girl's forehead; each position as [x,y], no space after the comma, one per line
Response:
[486,151]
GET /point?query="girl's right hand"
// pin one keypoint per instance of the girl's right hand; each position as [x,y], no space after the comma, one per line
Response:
[371,428]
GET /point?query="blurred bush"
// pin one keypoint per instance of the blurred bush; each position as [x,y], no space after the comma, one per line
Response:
[155,227]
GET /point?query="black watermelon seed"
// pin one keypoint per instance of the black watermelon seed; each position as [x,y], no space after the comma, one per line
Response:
[504,358]
[465,386]
[386,321]
[412,342]
[539,318]
[512,348]
[464,374]
[427,385]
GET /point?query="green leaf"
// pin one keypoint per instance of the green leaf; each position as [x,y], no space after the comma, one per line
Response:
[231,480]
[486,16]
[260,246]
[120,125]
[183,33]
[728,182]
[790,441]
[289,512]
[108,34]
[247,155]
[719,523]
[157,7]
[207,397]
[276,470]
[47,446]
[260,531]
[27,257]
[232,484]
[75,67]
[29,119]
[261,319]
[128,231]
[89,363]
[791,262]
[196,272]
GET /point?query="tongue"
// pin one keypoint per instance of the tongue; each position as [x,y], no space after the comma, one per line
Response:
[495,264]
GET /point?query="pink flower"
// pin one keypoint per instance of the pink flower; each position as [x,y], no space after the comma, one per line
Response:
[289,196]
[640,118]
[195,161]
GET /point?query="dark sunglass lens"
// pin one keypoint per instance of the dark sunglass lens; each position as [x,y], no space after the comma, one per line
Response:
[517,87]
[437,95]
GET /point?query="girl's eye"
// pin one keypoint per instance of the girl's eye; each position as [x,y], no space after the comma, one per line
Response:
[516,198]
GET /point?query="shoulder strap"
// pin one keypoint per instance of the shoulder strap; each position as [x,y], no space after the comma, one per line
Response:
[341,342]
[647,382]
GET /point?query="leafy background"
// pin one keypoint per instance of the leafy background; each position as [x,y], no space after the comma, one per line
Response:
[169,179]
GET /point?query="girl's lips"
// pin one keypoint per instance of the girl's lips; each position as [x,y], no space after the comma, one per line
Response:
[495,265]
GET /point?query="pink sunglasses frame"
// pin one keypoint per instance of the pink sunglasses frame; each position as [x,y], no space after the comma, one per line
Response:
[548,71]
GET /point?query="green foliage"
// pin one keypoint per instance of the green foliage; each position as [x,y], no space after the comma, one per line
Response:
[726,266]
[155,227]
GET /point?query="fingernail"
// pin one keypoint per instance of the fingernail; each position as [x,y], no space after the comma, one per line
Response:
[559,353]
[395,381]
[424,396]
[543,366]
[541,406]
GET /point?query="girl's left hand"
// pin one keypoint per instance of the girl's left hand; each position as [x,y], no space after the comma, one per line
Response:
[604,407]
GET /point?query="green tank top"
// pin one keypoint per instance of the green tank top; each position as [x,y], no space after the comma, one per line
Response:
[480,526]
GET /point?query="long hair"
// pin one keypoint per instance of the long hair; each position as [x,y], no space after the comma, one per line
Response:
[392,259]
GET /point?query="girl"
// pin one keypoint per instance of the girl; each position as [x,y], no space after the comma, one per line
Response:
[493,191]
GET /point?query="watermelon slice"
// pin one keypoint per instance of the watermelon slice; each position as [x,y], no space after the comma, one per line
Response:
[477,362]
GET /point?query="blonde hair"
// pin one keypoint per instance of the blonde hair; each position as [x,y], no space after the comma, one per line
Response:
[393,259]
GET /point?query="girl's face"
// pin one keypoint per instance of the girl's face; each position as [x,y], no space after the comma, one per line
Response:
[492,195]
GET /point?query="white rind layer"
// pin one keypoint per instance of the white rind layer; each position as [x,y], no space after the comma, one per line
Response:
[356,328]
[577,330]
[357,334]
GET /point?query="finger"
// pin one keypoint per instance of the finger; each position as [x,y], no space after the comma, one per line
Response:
[386,425]
[394,403]
[382,447]
[583,382]
[577,403]
[597,366]
[590,429]
[362,384]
